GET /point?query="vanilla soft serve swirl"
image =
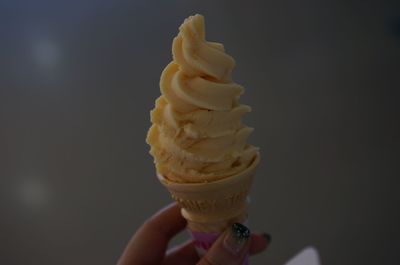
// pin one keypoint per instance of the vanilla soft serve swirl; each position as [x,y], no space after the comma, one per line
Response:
[197,134]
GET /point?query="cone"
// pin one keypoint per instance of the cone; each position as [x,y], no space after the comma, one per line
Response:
[213,206]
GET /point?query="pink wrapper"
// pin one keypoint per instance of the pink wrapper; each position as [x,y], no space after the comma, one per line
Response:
[203,241]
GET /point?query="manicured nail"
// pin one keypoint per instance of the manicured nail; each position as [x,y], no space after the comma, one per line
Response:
[236,238]
[267,237]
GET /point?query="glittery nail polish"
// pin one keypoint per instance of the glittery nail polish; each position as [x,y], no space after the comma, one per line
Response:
[236,238]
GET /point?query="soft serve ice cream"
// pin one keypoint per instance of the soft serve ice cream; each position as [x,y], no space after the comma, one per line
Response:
[197,133]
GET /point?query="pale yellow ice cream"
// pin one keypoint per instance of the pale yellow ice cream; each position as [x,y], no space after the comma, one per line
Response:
[197,134]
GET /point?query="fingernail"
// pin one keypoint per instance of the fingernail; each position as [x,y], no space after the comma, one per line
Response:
[267,237]
[236,238]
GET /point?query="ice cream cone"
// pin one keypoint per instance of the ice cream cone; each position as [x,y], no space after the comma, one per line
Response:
[197,137]
[212,206]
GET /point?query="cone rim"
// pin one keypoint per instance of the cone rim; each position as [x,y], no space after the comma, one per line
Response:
[249,171]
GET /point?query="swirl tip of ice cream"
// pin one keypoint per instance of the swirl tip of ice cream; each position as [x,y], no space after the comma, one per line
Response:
[197,134]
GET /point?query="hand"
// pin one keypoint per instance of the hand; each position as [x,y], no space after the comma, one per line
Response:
[149,243]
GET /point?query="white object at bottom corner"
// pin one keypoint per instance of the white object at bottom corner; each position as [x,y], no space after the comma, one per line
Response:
[307,256]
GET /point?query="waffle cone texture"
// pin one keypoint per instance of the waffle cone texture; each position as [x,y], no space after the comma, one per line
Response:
[212,206]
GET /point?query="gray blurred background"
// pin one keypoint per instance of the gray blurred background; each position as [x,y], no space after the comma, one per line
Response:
[77,82]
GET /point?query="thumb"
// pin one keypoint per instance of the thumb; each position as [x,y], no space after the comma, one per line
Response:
[231,247]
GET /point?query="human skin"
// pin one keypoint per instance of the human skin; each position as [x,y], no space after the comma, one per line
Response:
[149,244]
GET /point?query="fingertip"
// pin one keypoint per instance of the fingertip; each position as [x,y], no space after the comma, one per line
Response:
[259,243]
[168,221]
[154,235]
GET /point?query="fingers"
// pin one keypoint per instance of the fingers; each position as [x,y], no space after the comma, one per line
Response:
[259,243]
[230,248]
[184,254]
[149,243]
